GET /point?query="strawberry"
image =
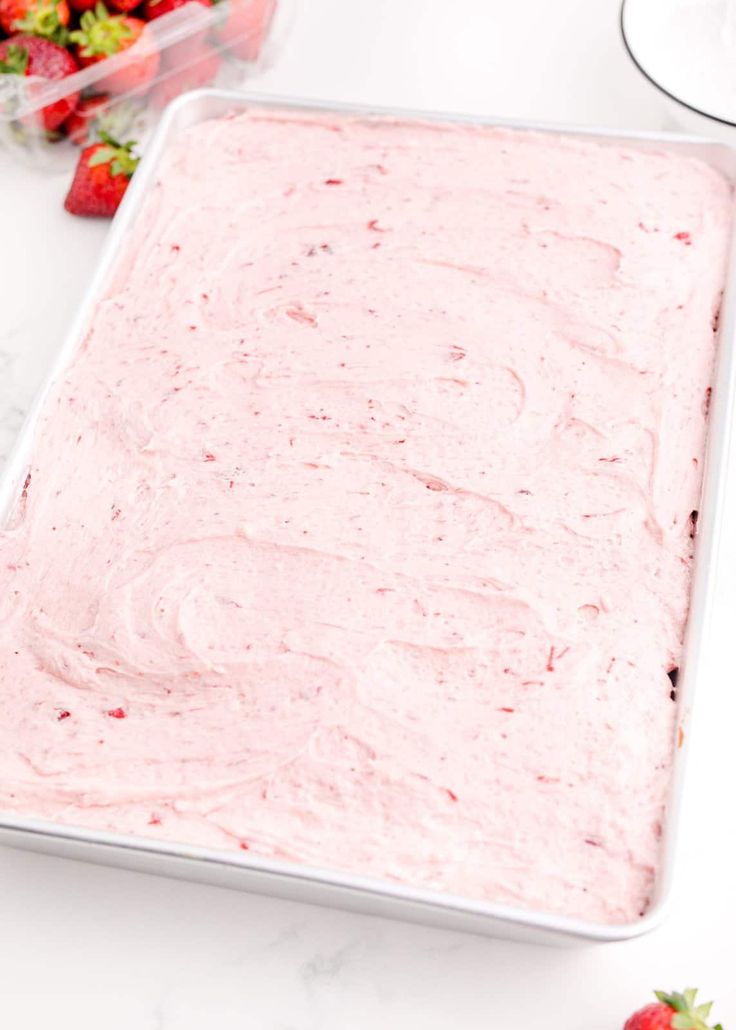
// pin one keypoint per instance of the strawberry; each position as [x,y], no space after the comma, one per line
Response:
[101,178]
[101,35]
[191,46]
[32,55]
[80,123]
[47,18]
[673,1011]
[124,6]
[80,6]
[155,8]
[200,71]
[246,27]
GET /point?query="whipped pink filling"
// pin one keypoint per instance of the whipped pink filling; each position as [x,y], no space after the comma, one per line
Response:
[358,532]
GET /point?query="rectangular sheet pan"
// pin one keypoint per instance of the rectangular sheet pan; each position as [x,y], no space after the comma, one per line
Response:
[355,892]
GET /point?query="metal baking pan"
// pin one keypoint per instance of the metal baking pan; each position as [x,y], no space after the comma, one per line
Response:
[355,892]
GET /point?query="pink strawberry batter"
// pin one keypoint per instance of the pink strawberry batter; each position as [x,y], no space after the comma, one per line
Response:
[358,532]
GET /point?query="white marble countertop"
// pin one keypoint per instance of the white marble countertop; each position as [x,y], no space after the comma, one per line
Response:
[83,947]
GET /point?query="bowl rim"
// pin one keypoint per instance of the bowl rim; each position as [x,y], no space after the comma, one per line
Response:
[658,85]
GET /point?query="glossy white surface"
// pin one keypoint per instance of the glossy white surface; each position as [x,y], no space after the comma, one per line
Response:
[83,945]
[686,49]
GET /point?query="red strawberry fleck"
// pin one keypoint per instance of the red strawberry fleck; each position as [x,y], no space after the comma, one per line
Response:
[117,713]
[684,237]
[63,715]
[298,314]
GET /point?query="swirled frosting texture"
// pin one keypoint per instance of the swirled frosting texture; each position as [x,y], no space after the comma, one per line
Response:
[358,531]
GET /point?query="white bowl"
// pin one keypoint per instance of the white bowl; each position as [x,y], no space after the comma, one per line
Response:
[686,49]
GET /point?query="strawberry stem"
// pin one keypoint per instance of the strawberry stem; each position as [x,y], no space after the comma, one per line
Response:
[101,34]
[16,61]
[119,156]
[687,1015]
[42,19]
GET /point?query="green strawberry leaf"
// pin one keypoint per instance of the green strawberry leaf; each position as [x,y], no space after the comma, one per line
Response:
[102,156]
[686,1014]
[42,19]
[119,156]
[16,61]
[101,34]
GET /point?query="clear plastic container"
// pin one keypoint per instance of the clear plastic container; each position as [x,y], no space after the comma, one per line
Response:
[223,45]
